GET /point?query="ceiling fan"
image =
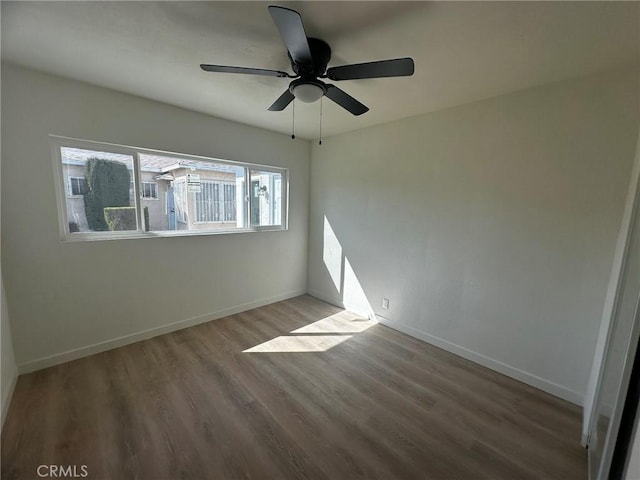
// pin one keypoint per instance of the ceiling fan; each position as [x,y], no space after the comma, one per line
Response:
[309,59]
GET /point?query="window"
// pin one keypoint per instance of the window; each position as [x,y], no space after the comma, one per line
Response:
[149,190]
[266,197]
[116,192]
[101,179]
[200,194]
[77,186]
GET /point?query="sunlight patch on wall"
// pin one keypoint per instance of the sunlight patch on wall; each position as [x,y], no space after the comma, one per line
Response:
[342,273]
[299,343]
[353,296]
[332,254]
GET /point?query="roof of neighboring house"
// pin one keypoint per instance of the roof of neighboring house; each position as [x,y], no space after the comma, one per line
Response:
[148,162]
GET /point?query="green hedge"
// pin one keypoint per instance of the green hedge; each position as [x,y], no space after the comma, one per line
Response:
[108,185]
[120,218]
[123,218]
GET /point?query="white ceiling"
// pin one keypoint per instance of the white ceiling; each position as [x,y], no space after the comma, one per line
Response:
[463,51]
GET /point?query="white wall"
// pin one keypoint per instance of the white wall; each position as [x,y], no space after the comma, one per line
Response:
[490,227]
[64,297]
[8,369]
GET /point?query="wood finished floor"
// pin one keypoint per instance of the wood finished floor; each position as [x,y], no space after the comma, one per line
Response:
[192,405]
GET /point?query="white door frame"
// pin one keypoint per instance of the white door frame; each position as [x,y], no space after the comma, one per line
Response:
[611,300]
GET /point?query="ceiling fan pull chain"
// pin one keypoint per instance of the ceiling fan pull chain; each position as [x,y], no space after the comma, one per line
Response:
[320,136]
[293,119]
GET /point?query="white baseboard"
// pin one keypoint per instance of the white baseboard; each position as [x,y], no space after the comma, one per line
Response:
[525,377]
[58,358]
[7,395]
[520,375]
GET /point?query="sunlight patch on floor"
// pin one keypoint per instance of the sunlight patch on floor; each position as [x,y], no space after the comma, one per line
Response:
[318,336]
[299,343]
[337,323]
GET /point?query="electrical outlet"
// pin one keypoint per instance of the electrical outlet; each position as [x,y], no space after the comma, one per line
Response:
[385,303]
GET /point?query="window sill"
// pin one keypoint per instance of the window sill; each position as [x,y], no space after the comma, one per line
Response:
[99,236]
[214,222]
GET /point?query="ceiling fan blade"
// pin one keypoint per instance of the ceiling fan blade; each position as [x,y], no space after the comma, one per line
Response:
[282,101]
[250,71]
[345,100]
[399,67]
[291,29]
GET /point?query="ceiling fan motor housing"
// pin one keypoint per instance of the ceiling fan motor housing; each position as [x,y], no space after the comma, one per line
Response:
[320,56]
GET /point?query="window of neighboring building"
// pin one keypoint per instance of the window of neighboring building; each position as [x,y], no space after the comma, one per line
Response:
[77,186]
[197,195]
[215,202]
[149,190]
[230,201]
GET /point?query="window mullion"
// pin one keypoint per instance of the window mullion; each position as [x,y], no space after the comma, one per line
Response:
[284,199]
[248,198]
[136,193]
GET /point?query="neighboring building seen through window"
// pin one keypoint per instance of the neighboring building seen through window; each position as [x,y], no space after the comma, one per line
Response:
[175,193]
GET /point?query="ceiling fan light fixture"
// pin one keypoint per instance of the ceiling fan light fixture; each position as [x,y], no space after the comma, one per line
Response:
[307,92]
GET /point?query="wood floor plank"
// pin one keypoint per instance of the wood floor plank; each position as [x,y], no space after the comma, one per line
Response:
[294,390]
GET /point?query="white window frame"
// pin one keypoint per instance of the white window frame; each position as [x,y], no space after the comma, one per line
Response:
[58,142]
[285,196]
